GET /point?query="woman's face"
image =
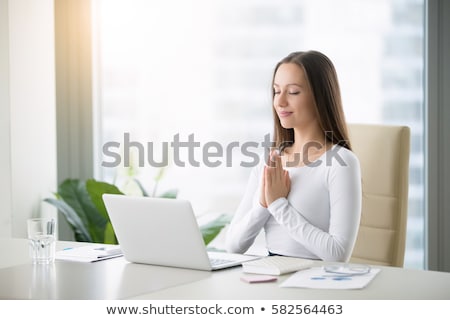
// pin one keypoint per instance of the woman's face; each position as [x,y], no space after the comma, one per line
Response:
[293,100]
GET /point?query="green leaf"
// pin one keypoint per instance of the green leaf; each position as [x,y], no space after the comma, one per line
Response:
[74,193]
[171,194]
[211,229]
[69,191]
[80,231]
[110,236]
[96,189]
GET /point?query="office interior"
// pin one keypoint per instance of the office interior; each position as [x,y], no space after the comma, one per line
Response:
[47,128]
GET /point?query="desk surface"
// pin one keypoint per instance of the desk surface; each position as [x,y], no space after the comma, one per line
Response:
[118,279]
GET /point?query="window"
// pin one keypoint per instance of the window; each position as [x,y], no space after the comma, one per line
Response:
[203,72]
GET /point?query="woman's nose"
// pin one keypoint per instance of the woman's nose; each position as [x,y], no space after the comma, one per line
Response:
[282,101]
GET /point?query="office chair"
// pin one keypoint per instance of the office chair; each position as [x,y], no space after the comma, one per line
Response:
[383,152]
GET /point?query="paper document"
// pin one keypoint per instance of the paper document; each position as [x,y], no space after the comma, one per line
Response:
[89,253]
[317,278]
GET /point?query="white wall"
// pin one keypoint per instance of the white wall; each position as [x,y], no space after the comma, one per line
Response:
[27,112]
[5,163]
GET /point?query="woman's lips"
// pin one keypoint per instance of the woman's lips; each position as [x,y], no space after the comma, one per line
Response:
[284,114]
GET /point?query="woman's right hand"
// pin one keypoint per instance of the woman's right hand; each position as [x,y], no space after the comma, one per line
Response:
[277,183]
[271,163]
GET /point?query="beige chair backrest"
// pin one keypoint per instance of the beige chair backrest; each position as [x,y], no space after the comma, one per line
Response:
[383,152]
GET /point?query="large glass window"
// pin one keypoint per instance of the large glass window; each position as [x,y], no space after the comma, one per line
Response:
[199,71]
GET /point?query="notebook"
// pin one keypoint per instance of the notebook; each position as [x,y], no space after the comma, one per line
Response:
[89,253]
[165,232]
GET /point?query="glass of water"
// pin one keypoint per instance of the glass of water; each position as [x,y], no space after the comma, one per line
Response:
[41,238]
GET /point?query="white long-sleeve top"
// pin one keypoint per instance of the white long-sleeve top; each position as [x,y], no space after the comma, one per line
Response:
[320,217]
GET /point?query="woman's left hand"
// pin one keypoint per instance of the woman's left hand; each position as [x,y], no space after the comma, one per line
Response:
[277,183]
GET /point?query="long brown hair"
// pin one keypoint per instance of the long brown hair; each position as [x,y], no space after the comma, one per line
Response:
[322,78]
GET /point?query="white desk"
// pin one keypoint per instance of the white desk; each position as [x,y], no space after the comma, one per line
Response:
[118,279]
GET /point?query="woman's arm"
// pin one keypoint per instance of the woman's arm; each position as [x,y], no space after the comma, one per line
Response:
[337,243]
[249,218]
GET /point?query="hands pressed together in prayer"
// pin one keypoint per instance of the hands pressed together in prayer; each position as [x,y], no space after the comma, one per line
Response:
[275,181]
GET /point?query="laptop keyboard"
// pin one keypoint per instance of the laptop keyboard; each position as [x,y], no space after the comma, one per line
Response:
[217,262]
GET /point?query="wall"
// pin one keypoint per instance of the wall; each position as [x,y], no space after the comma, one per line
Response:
[5,159]
[27,112]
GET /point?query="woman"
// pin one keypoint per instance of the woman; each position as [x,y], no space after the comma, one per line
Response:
[308,197]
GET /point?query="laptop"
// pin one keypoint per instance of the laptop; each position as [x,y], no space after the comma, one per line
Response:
[165,232]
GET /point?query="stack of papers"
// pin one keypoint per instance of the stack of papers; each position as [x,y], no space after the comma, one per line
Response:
[317,278]
[89,253]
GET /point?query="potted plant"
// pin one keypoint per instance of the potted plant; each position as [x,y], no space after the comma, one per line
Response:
[82,205]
